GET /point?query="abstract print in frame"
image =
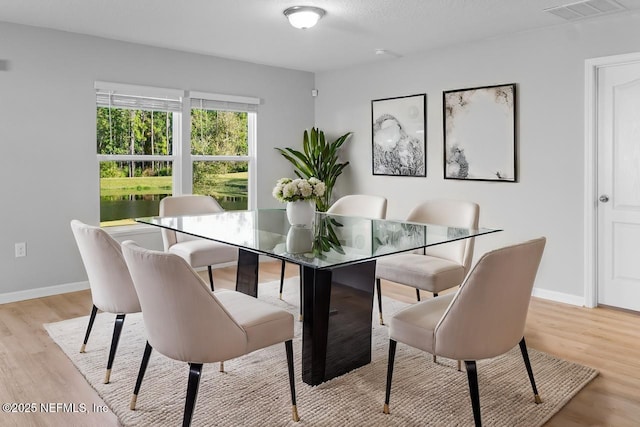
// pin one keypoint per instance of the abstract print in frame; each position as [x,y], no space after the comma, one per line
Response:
[480,133]
[398,135]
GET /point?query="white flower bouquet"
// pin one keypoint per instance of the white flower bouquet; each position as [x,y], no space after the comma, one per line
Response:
[291,190]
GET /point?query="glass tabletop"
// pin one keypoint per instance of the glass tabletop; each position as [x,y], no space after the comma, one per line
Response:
[329,241]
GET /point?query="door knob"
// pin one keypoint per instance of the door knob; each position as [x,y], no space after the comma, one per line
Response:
[604,198]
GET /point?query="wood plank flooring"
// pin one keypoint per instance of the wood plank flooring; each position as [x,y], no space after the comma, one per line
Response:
[34,369]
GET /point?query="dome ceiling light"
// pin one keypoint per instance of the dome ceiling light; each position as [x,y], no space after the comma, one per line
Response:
[304,17]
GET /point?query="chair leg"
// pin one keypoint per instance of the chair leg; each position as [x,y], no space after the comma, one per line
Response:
[210,277]
[195,371]
[435,295]
[143,369]
[379,292]
[117,329]
[392,356]
[282,277]
[292,384]
[472,377]
[527,363]
[92,317]
[418,294]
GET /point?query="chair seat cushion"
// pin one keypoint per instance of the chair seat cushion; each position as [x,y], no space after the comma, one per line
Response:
[263,323]
[201,252]
[415,324]
[420,271]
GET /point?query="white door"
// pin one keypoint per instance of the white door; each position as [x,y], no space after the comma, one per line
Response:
[618,146]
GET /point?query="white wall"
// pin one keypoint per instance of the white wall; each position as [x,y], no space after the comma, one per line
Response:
[548,67]
[48,166]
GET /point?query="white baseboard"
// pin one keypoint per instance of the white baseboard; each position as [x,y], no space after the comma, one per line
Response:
[43,292]
[80,286]
[73,287]
[559,297]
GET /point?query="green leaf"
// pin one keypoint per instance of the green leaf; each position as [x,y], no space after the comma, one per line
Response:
[318,159]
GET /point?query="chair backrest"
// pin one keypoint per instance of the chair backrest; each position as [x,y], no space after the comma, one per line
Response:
[191,204]
[456,213]
[183,319]
[362,205]
[487,315]
[111,286]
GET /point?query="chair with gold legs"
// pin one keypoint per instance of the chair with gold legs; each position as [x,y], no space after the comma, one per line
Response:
[196,251]
[112,290]
[186,322]
[435,268]
[483,319]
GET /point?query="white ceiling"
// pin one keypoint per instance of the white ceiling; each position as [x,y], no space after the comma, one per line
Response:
[257,31]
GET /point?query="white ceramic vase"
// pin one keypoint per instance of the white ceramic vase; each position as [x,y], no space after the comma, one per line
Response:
[301,212]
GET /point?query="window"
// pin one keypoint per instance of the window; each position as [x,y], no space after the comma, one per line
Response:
[221,134]
[140,139]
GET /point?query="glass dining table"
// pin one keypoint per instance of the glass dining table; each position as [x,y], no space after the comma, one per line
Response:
[337,258]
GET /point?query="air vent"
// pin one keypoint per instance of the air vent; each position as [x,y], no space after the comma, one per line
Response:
[585,9]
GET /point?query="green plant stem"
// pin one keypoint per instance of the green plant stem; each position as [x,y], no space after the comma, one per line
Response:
[318,159]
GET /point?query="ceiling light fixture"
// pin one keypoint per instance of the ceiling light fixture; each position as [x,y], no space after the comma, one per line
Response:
[304,17]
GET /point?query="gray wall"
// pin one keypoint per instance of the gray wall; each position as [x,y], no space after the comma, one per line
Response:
[47,115]
[48,166]
[548,67]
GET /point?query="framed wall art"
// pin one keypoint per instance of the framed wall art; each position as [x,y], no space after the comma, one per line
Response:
[480,133]
[399,135]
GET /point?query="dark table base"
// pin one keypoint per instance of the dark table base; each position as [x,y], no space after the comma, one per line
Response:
[247,273]
[336,333]
[337,307]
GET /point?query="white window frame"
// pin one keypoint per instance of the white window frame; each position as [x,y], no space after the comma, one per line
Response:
[181,157]
[250,158]
[151,92]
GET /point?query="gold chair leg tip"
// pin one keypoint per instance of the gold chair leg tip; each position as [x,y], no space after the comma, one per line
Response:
[381,320]
[280,295]
[295,416]
[221,366]
[134,399]
[107,376]
[386,409]
[84,346]
[538,400]
[300,318]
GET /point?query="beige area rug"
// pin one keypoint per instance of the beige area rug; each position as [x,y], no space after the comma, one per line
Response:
[254,390]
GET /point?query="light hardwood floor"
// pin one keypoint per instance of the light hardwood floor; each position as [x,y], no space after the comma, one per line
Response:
[34,370]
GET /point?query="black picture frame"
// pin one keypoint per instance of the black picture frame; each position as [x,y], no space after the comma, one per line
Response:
[480,134]
[398,136]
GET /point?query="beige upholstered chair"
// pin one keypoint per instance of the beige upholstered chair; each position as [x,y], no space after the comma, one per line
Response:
[112,290]
[435,268]
[186,322]
[362,205]
[483,319]
[196,251]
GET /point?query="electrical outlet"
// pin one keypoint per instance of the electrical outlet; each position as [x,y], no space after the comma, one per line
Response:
[21,249]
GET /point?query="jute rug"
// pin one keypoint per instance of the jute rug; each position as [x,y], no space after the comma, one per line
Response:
[254,390]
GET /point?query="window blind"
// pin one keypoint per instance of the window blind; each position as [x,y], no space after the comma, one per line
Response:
[210,104]
[222,102]
[133,102]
